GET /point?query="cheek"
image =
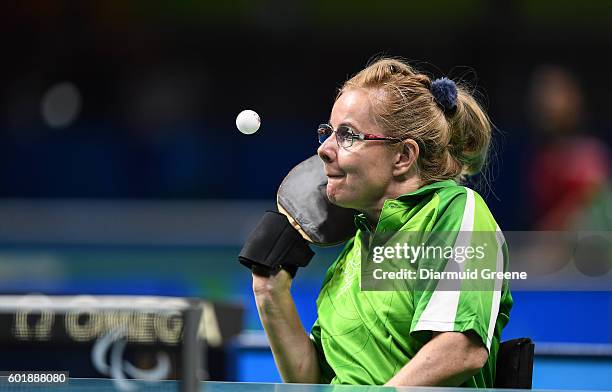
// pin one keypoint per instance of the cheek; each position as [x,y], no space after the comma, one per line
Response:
[366,175]
[364,178]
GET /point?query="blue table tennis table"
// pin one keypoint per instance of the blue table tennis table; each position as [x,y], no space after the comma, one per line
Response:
[109,385]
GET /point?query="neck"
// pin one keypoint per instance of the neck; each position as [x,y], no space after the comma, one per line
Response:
[394,190]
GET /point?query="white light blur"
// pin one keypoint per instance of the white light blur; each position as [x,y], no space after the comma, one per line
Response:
[61,105]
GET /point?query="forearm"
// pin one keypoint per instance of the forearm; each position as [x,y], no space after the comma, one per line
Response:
[294,353]
[449,359]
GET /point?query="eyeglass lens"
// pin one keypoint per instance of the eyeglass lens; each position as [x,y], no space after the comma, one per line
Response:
[324,132]
[344,135]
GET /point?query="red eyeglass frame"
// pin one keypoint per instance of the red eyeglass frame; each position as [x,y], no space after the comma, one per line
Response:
[357,135]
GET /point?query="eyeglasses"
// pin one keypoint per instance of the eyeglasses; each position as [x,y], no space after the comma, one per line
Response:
[345,135]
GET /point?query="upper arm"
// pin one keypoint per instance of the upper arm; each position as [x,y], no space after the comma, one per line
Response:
[468,306]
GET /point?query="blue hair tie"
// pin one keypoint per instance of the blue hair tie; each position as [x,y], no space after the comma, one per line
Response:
[444,92]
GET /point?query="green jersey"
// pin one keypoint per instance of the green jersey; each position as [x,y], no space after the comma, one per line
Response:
[366,337]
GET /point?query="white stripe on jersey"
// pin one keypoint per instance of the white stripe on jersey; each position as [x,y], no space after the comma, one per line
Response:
[441,310]
[499,236]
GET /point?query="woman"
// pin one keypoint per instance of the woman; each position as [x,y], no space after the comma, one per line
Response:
[395,149]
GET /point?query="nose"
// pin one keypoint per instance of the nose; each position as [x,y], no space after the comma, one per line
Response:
[328,150]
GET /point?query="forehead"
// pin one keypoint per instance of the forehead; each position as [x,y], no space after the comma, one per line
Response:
[353,107]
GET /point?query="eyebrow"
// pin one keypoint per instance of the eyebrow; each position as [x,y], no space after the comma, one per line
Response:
[347,123]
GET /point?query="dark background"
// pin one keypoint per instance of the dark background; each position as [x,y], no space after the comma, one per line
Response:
[160,85]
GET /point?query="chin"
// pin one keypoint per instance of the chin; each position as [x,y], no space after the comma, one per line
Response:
[332,197]
[336,199]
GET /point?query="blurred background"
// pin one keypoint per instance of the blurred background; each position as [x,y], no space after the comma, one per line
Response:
[122,171]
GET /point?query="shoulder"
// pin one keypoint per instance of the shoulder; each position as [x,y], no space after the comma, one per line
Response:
[463,207]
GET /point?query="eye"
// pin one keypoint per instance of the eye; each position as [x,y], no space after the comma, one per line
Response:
[345,133]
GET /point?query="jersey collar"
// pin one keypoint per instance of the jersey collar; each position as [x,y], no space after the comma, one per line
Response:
[389,214]
[427,189]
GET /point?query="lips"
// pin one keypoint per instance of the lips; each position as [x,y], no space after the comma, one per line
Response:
[333,172]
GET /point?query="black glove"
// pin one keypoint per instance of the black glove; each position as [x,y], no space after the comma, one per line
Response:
[280,240]
[273,244]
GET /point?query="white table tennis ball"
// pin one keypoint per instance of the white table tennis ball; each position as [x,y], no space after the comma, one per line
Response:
[248,122]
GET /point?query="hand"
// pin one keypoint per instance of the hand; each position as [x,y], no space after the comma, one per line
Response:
[273,285]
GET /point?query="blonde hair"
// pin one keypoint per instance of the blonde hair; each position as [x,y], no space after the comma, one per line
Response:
[452,146]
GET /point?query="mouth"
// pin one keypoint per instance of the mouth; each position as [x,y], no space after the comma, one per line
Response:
[333,174]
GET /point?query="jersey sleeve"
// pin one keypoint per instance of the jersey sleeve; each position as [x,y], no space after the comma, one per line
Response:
[463,304]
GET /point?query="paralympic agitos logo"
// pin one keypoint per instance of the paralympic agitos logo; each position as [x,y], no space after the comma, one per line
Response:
[118,368]
[110,324]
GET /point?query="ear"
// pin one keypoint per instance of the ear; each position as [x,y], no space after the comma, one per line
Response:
[406,158]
